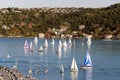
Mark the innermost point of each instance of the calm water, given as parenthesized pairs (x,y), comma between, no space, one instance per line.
(105,57)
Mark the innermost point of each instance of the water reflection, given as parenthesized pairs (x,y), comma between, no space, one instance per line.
(88,74)
(53,49)
(26,51)
(65,49)
(59,55)
(46,50)
(37,71)
(40,53)
(89,48)
(74,75)
(61,76)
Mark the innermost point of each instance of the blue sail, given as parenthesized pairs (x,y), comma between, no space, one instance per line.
(87,61)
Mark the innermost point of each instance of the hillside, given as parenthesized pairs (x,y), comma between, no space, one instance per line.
(29,22)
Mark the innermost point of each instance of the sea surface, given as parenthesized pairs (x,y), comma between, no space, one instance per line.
(105,57)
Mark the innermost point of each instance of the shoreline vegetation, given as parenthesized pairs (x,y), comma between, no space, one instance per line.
(101,23)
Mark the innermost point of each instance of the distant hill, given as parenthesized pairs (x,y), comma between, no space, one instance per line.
(29,22)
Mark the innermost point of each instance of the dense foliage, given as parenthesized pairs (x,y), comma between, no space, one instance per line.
(29,22)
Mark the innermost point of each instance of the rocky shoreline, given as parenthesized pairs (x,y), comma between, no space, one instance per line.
(12,74)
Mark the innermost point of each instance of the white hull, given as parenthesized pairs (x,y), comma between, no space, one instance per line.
(40,49)
(46,71)
(73,70)
(86,67)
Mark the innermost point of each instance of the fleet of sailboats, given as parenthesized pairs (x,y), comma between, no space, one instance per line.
(74,67)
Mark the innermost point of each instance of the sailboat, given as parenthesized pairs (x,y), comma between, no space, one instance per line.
(89,39)
(53,42)
(69,42)
(60,43)
(87,62)
(65,44)
(46,43)
(74,67)
(26,44)
(30,70)
(31,47)
(15,65)
(8,55)
(46,69)
(59,51)
(40,49)
(61,68)
(35,40)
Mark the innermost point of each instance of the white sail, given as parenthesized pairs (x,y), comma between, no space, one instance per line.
(60,43)
(59,49)
(46,69)
(88,61)
(8,55)
(36,40)
(31,46)
(89,40)
(46,43)
(70,42)
(61,68)
(30,70)
(65,44)
(74,65)
(53,42)
(26,44)
(59,52)
(16,64)
(40,49)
